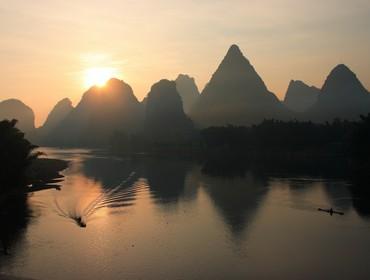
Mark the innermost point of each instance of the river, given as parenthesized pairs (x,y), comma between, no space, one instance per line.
(169,219)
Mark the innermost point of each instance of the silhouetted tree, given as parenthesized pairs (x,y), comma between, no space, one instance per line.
(361,140)
(16,154)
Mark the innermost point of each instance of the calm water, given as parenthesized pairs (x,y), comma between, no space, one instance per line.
(166,219)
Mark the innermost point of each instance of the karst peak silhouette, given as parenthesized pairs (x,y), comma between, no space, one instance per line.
(236,94)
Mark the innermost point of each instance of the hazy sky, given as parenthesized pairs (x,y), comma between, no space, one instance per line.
(46,46)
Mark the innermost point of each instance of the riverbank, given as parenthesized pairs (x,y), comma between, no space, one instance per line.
(46,169)
(45,173)
(42,174)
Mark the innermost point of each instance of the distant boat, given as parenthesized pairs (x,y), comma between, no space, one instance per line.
(79,221)
(330,211)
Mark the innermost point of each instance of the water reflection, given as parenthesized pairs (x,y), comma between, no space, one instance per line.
(170,181)
(109,172)
(361,200)
(237,199)
(236,188)
(166,179)
(14,215)
(339,195)
(172,215)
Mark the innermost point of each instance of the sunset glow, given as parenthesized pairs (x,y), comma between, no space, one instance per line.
(49,45)
(98,76)
(184,139)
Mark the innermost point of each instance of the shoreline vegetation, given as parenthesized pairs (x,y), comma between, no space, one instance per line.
(44,173)
(273,144)
(22,171)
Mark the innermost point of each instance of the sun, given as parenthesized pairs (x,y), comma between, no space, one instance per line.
(98,76)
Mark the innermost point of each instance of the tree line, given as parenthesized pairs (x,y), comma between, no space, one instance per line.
(338,138)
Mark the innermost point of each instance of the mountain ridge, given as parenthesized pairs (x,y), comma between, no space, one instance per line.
(342,96)
(188,91)
(300,97)
(165,118)
(15,109)
(100,112)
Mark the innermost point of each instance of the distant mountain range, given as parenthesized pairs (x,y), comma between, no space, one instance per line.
(235,95)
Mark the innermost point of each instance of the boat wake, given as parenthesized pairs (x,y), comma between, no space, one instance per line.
(115,197)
